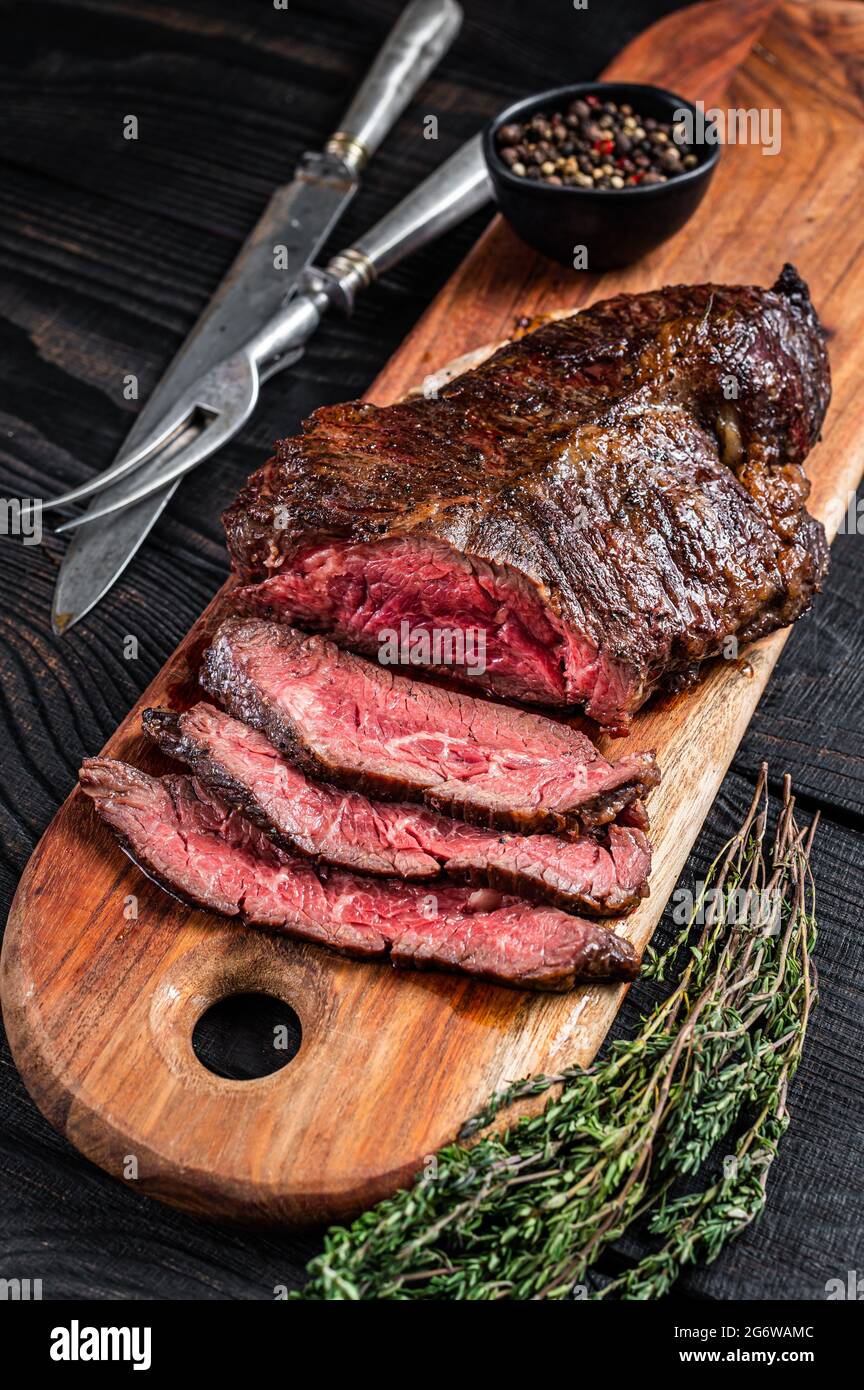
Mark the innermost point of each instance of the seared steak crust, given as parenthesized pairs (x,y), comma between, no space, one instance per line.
(629,477)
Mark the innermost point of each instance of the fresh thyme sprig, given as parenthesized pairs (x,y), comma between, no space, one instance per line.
(526,1213)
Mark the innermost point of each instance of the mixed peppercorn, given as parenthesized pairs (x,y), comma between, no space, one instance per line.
(595,144)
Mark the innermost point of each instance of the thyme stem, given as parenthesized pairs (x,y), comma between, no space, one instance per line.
(639,1136)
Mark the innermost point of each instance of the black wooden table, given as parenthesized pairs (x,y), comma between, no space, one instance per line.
(109,249)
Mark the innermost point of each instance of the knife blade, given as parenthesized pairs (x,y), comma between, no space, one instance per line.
(295,225)
(456,189)
(225,398)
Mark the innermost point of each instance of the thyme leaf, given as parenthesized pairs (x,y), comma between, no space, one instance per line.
(525,1213)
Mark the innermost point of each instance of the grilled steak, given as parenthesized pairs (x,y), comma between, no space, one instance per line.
(395,838)
(207,854)
(607,501)
(351,722)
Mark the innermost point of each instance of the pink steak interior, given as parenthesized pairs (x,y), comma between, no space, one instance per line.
(362,593)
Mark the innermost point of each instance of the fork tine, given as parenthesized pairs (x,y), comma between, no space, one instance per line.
(152,443)
(228,393)
(211,438)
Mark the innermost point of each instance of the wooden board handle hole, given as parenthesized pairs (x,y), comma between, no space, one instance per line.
(243,1037)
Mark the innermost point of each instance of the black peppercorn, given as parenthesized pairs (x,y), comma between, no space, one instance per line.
(594,145)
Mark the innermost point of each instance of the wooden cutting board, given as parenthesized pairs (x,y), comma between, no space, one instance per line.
(100,1009)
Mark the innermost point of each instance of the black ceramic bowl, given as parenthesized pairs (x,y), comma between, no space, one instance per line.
(616,225)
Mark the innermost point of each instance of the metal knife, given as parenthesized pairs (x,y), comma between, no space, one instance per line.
(295,225)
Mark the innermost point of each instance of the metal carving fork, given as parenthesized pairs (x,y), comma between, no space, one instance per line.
(266,309)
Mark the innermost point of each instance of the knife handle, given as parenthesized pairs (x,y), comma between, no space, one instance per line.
(459,187)
(417,41)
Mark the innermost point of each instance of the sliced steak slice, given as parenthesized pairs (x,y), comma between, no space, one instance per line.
(208,854)
(397,839)
(353,723)
(608,499)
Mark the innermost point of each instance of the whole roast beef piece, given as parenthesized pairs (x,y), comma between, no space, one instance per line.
(351,722)
(397,839)
(209,855)
(607,501)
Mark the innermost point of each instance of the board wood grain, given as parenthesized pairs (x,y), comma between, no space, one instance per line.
(99,1006)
